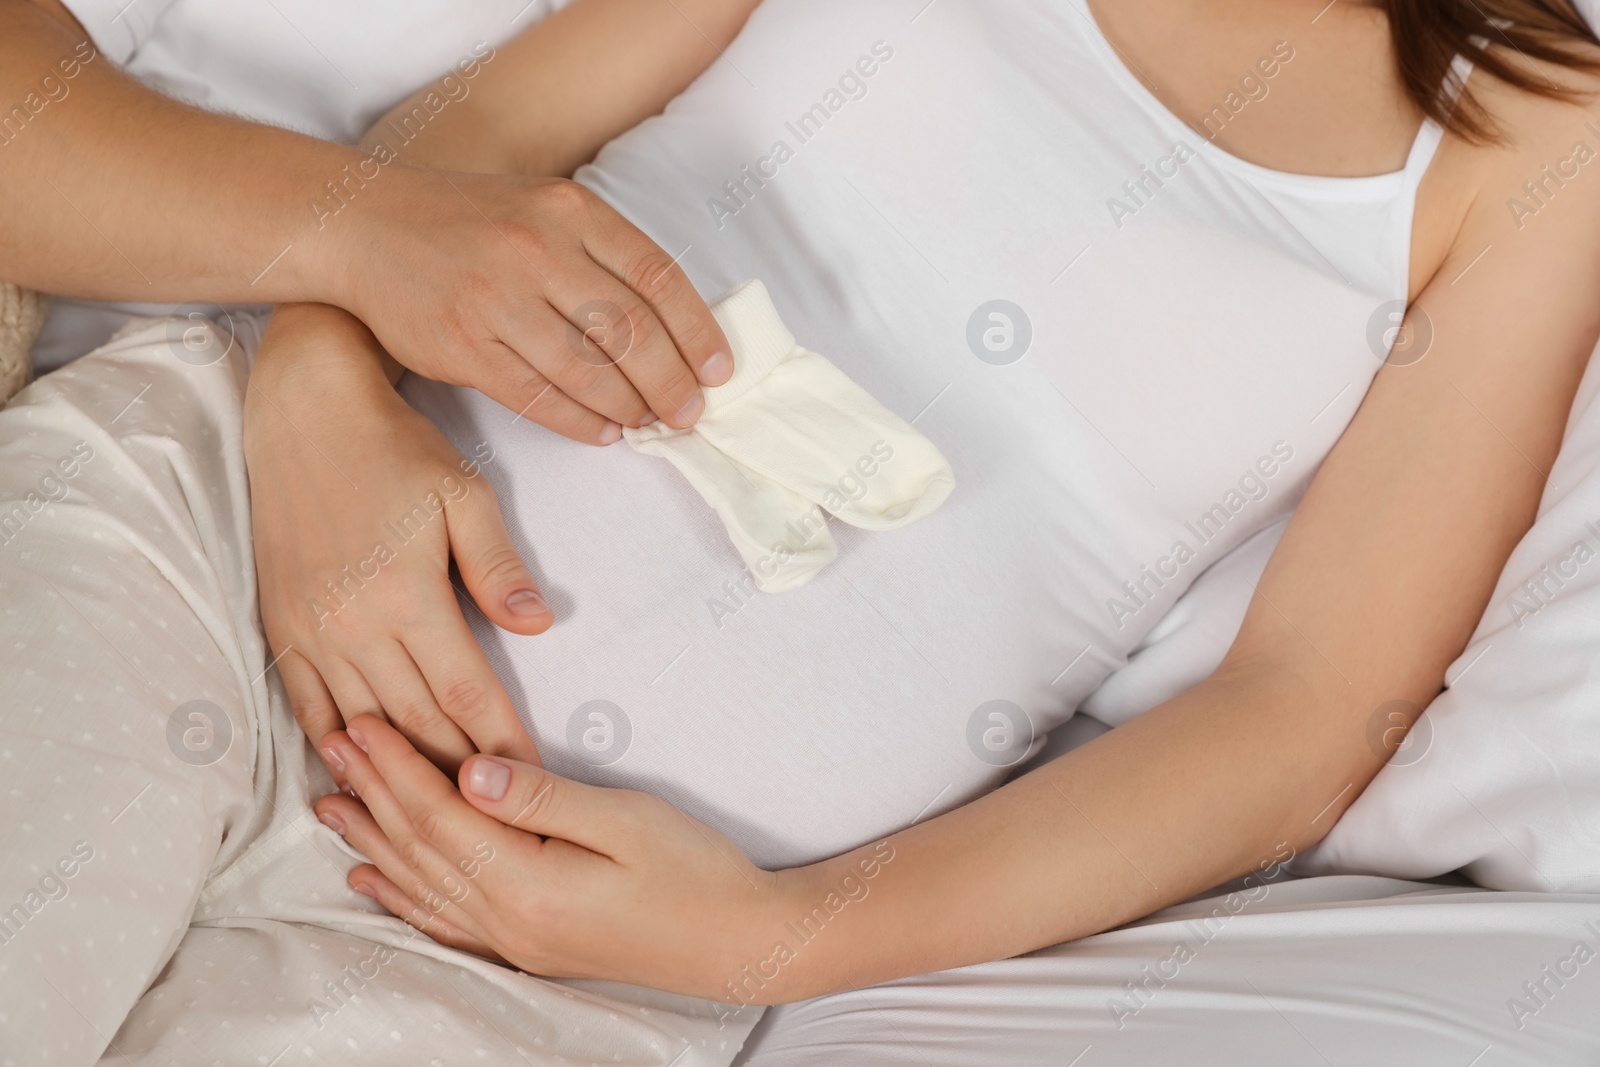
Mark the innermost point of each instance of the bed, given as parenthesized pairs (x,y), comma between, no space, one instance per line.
(247,947)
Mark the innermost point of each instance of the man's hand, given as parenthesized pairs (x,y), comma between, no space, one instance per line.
(539,295)
(528,288)
(358,506)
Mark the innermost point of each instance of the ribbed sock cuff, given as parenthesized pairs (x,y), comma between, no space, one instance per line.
(757,335)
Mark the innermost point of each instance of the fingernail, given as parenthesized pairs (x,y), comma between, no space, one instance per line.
(526,603)
(350,791)
(355,735)
(489,778)
(717,369)
(331,757)
(691,411)
(365,890)
(611,434)
(332,822)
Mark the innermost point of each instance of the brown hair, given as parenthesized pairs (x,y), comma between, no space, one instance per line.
(1429,34)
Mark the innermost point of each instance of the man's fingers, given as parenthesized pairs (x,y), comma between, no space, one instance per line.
(550,340)
(490,564)
(509,380)
(530,798)
(620,328)
(643,266)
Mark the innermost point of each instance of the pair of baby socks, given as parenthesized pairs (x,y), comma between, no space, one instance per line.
(789,437)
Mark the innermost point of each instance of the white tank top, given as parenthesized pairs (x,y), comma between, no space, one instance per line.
(1184,335)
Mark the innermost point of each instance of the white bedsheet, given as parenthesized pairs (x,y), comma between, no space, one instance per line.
(1340,970)
(206,920)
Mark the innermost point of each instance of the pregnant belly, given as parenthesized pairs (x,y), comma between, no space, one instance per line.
(801,723)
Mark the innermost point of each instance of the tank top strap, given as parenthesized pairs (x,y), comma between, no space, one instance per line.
(1431,134)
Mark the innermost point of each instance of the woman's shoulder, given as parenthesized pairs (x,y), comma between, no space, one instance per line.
(1541,162)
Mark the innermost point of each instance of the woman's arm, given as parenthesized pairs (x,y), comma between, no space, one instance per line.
(322,386)
(1384,572)
(557,93)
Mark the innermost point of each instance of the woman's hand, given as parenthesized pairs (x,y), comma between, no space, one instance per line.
(561,878)
(358,506)
(538,294)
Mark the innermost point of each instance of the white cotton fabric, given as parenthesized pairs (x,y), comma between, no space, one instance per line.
(167,896)
(327,70)
(789,437)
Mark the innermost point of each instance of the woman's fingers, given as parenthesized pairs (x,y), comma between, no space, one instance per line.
(349,688)
(434,833)
(531,798)
(370,881)
(313,706)
(439,895)
(460,677)
(491,566)
(409,703)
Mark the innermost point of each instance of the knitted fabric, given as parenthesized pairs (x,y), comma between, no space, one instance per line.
(21,316)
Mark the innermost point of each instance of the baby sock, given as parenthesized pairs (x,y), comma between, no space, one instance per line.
(788,433)
(783,539)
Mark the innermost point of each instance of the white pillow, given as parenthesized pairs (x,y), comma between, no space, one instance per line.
(1500,777)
